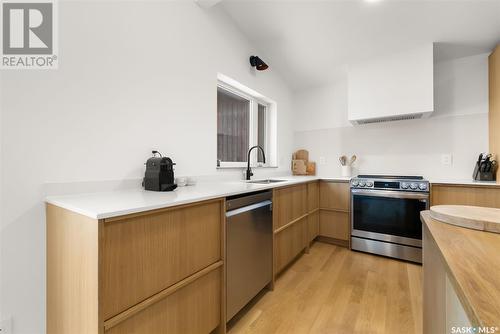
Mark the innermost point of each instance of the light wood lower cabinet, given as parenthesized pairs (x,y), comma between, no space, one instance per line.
(312,196)
(334,224)
(334,195)
(487,196)
(313,225)
(290,203)
(313,210)
(289,243)
(334,216)
(192,309)
(145,254)
(296,222)
(154,272)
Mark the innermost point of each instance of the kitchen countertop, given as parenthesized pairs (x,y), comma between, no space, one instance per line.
(473,265)
(103,205)
(465,182)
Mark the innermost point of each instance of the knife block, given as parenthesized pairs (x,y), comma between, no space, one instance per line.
(484,176)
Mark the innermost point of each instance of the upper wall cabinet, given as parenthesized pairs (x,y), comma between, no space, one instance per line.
(395,87)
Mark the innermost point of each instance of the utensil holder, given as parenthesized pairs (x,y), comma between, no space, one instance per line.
(346,171)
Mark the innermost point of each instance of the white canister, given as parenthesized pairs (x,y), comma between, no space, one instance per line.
(181,181)
(346,171)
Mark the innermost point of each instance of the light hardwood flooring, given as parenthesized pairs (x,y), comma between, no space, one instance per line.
(335,290)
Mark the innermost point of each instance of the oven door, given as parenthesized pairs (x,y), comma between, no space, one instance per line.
(391,216)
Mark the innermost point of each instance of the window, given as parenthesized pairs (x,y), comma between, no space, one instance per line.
(244,119)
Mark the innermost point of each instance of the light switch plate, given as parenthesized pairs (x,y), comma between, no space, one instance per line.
(6,326)
(322,160)
(446,159)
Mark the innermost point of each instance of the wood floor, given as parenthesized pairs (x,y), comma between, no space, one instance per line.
(335,290)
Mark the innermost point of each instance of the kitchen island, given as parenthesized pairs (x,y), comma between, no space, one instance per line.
(461,278)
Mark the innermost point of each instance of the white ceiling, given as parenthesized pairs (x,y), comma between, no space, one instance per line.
(310,42)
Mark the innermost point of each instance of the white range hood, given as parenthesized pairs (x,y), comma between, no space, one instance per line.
(392,88)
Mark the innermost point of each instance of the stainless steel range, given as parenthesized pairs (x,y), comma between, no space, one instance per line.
(385,215)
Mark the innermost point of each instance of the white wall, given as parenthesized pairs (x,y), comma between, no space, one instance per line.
(132,76)
(459,126)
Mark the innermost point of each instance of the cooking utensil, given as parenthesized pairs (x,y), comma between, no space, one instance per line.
(493,166)
(353,159)
(343,160)
(486,163)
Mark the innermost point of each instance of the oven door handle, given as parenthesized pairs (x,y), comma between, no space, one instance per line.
(392,194)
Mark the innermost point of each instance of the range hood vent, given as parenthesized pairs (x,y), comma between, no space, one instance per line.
(390,119)
(394,87)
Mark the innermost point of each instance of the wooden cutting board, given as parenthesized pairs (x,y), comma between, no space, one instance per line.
(474,217)
(302,155)
(299,167)
(311,168)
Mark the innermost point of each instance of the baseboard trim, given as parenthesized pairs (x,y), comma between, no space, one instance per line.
(333,241)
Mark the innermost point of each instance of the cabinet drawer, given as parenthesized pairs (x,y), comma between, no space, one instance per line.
(464,195)
(312,196)
(334,224)
(313,225)
(334,195)
(194,308)
(145,254)
(290,242)
(289,204)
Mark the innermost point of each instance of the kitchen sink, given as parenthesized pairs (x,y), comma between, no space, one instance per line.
(268,181)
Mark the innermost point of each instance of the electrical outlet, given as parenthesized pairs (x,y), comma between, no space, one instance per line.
(322,160)
(6,326)
(446,159)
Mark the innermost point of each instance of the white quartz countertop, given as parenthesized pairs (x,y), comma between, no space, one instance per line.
(103,205)
(465,182)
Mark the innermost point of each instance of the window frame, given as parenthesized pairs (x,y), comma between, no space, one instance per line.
(270,146)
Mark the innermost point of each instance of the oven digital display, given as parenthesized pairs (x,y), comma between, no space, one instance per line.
(386,184)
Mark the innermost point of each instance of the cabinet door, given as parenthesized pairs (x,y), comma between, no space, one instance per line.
(290,204)
(290,242)
(334,195)
(465,195)
(192,309)
(313,225)
(312,196)
(145,254)
(334,224)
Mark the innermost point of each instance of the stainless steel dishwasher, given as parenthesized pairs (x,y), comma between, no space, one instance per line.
(249,235)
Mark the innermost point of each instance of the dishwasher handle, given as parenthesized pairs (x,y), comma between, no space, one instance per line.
(249,208)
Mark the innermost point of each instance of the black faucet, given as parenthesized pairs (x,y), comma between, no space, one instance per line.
(249,171)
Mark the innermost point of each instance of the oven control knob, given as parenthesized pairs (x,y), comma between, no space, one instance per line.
(404,185)
(361,183)
(414,186)
(354,183)
(422,186)
(369,184)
